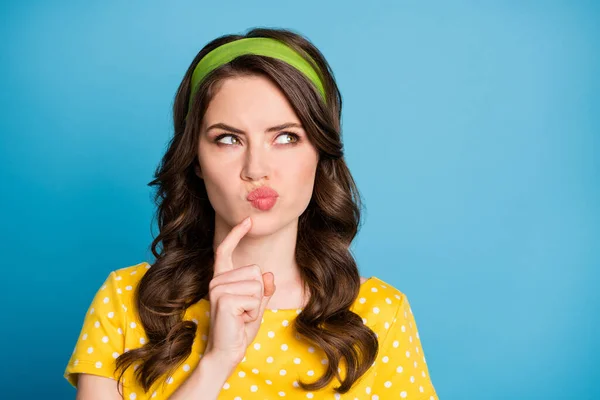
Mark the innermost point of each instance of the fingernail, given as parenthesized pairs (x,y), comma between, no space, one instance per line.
(246,221)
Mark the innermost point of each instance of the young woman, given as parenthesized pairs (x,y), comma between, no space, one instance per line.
(254,293)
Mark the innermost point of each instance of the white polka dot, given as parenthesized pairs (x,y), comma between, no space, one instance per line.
(97,324)
(284,347)
(142,340)
(412,379)
(186,367)
(337,396)
(257,346)
(295,384)
(396,343)
(376,310)
(282,372)
(410,339)
(421,389)
(271,334)
(105,339)
(403,394)
(124,308)
(415,364)
(115,355)
(399,369)
(90,350)
(309,395)
(324,361)
(311,349)
(120,331)
(226,385)
(285,322)
(310,372)
(417,335)
(132,325)
(133,273)
(364,321)
(194,320)
(103,287)
(98,364)
(386,325)
(281,394)
(373,290)
(111,314)
(253,388)
(368,389)
(403,328)
(387,384)
(387,300)
(362,300)
(241,374)
(268,382)
(132,396)
(154,394)
(397,296)
(297,360)
(118,278)
(84,336)
(423,374)
(170,380)
(91,310)
(407,353)
(75,362)
(106,300)
(128,287)
(269,359)
(237,398)
(385,359)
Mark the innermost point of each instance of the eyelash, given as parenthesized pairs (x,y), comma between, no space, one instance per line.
(297,138)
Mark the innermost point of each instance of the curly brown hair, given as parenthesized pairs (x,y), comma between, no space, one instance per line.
(183,268)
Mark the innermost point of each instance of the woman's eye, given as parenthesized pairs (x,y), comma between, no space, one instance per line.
(286,136)
(233,138)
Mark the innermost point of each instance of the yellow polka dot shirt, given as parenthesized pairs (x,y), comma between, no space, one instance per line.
(275,361)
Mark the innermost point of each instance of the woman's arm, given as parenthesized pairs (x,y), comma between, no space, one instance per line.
(205,382)
(95,387)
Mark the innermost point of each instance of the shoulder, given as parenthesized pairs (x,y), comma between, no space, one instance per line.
(379,302)
(125,279)
(130,275)
(119,286)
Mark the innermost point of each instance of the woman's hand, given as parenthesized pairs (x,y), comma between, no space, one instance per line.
(238,298)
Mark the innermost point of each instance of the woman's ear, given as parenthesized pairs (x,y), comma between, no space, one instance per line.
(198,171)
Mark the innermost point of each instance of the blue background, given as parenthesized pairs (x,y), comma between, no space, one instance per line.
(472,130)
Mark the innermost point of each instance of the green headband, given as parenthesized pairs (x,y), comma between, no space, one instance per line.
(259,46)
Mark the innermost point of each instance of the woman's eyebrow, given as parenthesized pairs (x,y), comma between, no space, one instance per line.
(226,127)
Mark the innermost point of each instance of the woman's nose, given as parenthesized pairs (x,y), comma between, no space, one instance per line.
(256,165)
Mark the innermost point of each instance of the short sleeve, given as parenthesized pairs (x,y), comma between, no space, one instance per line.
(101,338)
(401,366)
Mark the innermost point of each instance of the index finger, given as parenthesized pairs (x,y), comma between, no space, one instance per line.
(224,252)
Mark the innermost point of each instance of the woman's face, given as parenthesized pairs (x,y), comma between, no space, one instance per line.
(246,154)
